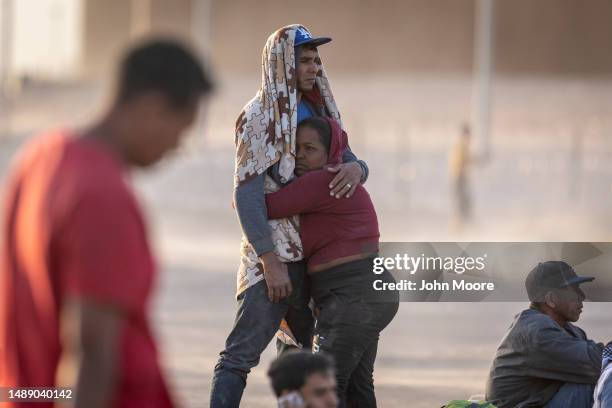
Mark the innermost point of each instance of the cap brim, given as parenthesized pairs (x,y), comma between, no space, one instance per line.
(580,279)
(315,41)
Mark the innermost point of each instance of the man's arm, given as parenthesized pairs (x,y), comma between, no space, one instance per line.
(349,174)
(250,203)
(349,157)
(105,262)
(558,356)
(91,335)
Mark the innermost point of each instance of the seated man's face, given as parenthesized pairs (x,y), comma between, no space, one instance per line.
(319,391)
(310,153)
(569,304)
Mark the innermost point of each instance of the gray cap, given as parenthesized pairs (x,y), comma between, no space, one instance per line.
(551,275)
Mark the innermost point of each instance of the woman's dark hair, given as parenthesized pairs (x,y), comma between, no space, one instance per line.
(321,126)
(165,66)
(291,370)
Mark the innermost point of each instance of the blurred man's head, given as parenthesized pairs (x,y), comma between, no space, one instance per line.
(553,288)
(310,375)
(159,87)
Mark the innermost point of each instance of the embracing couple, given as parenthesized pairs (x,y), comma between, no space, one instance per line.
(310,230)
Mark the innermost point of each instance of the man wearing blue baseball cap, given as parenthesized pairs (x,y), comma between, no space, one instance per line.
(544,360)
(272,287)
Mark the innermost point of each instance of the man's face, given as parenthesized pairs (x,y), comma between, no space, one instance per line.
(569,302)
(308,66)
(158,128)
(310,153)
(319,391)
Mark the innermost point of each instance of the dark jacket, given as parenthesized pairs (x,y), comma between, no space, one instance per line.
(536,357)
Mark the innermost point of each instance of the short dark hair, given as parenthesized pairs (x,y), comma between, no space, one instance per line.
(165,66)
(307,47)
(291,370)
(321,126)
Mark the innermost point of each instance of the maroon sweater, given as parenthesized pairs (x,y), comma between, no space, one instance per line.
(330,228)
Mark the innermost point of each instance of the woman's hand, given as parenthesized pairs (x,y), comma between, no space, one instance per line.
(346,181)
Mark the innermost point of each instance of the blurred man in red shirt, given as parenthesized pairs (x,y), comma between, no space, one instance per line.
(76,267)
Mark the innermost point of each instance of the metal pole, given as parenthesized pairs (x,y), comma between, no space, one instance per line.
(201,24)
(575,166)
(140,18)
(482,77)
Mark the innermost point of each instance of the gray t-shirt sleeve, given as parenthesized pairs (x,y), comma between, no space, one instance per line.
(349,157)
(250,205)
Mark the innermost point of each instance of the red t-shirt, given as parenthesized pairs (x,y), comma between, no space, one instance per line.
(73,229)
(330,228)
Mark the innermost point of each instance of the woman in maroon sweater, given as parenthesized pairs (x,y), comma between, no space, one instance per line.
(340,239)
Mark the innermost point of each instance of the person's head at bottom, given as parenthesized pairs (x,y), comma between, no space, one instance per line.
(304,380)
(159,88)
(553,289)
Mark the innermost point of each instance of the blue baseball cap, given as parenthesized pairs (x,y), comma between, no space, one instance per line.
(303,37)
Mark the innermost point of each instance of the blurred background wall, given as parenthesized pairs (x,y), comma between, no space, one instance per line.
(556,37)
(545,37)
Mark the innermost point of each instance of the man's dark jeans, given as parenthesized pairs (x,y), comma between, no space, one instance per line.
(257,321)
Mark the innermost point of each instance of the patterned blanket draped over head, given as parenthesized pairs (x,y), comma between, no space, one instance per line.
(265,136)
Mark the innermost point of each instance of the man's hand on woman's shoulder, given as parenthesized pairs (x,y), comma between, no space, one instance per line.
(347,179)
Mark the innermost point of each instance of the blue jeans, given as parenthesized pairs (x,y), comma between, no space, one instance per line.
(604,399)
(572,395)
(257,321)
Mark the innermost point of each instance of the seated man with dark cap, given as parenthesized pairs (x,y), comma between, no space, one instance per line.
(544,360)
